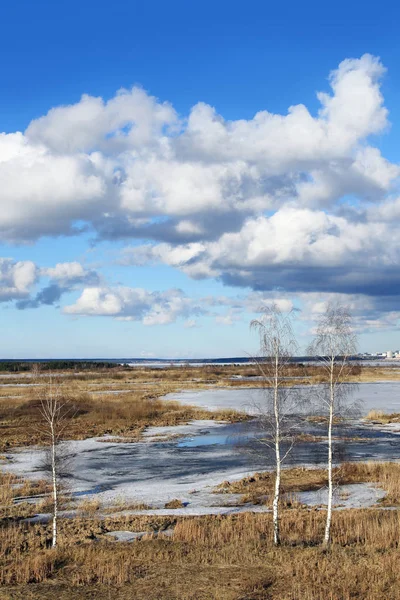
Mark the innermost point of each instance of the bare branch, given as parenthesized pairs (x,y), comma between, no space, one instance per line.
(55,413)
(281,401)
(334,343)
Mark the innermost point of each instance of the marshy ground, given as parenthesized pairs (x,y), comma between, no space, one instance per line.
(200,557)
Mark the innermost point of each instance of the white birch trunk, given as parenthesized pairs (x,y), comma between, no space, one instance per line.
(275,505)
(54,479)
(327,536)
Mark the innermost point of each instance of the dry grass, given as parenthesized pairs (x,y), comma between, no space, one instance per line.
(175,503)
(124,415)
(258,488)
(208,558)
(89,507)
(308,437)
(322,420)
(122,506)
(383,418)
(128,413)
(211,557)
(379,373)
(15,494)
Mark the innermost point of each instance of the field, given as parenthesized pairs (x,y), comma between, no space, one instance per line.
(222,557)
(120,402)
(123,402)
(228,557)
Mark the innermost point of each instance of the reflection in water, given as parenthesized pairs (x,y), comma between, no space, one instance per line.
(156,472)
(353,442)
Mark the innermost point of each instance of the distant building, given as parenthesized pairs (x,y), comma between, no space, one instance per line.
(389,354)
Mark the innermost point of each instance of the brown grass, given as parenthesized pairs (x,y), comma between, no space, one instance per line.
(123,505)
(258,488)
(128,413)
(89,507)
(15,493)
(95,415)
(208,558)
(383,418)
(175,503)
(212,557)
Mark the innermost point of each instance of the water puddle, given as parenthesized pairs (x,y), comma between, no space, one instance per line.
(383,395)
(235,434)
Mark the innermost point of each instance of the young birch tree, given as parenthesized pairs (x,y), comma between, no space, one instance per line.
(277,346)
(333,345)
(55,413)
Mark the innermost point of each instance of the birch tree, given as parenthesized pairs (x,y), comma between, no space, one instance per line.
(334,343)
(55,413)
(277,346)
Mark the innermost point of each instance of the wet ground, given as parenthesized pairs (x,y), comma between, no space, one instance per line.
(155,472)
(163,467)
(354,441)
(382,395)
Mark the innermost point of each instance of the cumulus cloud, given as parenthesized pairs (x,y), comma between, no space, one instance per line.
(289,203)
(131,119)
(71,273)
(64,277)
(164,307)
(132,167)
(16,278)
(370,314)
(294,249)
(135,304)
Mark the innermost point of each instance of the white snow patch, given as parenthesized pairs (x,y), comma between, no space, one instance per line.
(127,536)
(380,395)
(389,427)
(144,472)
(197,427)
(356,495)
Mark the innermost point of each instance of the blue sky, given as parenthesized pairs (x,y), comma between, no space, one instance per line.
(210,215)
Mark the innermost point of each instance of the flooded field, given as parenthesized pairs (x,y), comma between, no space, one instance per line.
(381,395)
(187,461)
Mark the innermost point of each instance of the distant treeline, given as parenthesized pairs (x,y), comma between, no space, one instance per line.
(20,366)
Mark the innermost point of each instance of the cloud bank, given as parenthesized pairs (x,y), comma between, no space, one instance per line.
(294,203)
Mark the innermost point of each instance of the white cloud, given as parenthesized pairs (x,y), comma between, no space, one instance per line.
(70,274)
(135,304)
(164,307)
(190,323)
(295,249)
(16,278)
(370,314)
(130,166)
(65,271)
(355,113)
(281,203)
(131,119)
(227,319)
(64,277)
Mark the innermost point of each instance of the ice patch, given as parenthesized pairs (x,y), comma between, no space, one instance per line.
(197,427)
(127,536)
(381,395)
(148,472)
(356,495)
